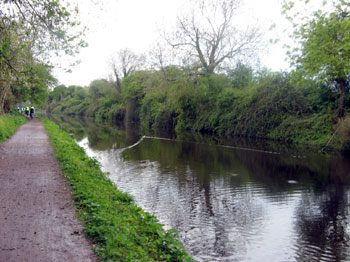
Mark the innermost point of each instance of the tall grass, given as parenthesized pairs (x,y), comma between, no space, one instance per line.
(9,124)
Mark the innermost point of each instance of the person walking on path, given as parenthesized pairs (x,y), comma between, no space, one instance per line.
(37,216)
(26,111)
(32,112)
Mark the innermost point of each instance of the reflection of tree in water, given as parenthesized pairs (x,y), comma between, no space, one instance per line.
(323,219)
(101,135)
(322,222)
(212,218)
(74,126)
(215,219)
(132,133)
(220,221)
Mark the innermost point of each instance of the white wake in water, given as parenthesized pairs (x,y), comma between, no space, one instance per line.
(169,139)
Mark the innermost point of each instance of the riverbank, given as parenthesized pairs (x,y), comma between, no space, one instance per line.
(119,229)
(38,220)
(269,106)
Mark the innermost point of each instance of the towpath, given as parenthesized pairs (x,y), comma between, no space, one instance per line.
(37,215)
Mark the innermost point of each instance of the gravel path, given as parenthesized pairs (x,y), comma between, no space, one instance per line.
(37,217)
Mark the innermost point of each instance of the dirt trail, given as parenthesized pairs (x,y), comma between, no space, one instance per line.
(37,217)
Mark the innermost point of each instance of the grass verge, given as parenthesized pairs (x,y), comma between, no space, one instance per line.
(119,229)
(9,124)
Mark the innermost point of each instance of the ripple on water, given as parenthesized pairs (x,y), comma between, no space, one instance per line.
(306,251)
(226,217)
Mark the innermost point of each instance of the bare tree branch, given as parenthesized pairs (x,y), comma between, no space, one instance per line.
(125,63)
(210,35)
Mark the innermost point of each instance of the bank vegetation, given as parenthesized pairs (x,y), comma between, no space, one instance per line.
(246,103)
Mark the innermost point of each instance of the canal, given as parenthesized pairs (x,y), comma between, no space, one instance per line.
(230,200)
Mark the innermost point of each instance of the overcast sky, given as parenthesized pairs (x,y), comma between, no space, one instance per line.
(135,24)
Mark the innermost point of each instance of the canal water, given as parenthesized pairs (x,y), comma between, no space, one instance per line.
(232,200)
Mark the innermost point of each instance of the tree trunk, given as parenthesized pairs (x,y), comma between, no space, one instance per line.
(118,81)
(119,84)
(342,89)
(3,92)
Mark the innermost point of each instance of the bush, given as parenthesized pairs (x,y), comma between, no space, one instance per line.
(312,129)
(341,138)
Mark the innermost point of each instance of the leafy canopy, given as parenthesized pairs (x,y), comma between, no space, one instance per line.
(31,31)
(324,45)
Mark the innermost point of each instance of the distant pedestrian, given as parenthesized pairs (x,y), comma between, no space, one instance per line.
(31,112)
(26,111)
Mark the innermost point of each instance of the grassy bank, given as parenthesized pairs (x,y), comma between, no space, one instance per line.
(9,125)
(120,230)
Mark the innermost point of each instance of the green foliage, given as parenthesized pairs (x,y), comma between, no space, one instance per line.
(256,110)
(155,112)
(320,97)
(259,104)
(341,138)
(119,229)
(134,86)
(100,99)
(9,125)
(188,111)
(311,129)
(241,76)
(324,51)
(31,32)
(57,94)
(35,88)
(325,45)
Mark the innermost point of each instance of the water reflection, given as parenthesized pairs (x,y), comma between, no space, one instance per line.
(323,225)
(230,204)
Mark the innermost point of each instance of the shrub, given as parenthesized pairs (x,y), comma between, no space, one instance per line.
(342,135)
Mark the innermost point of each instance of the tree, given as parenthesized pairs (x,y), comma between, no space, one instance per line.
(125,63)
(30,30)
(58,93)
(241,76)
(324,51)
(38,79)
(207,37)
(101,88)
(44,26)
